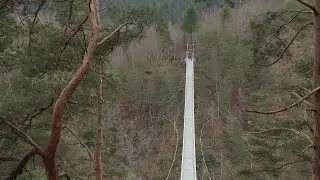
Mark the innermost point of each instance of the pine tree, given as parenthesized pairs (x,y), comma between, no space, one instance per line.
(161,26)
(190,22)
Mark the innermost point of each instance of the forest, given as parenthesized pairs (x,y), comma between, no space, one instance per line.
(95,89)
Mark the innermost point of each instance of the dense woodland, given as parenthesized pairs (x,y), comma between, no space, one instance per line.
(94,89)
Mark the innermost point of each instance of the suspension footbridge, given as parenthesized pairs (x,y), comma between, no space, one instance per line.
(188,166)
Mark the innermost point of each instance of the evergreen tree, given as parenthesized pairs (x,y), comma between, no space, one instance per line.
(190,22)
(162,27)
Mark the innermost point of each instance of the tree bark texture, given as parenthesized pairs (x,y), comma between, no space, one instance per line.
(66,94)
(316,83)
(99,165)
(49,154)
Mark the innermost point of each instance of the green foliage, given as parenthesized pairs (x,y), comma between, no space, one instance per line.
(267,41)
(270,34)
(226,9)
(158,91)
(33,174)
(239,152)
(33,73)
(225,12)
(265,37)
(173,10)
(65,11)
(209,2)
(190,22)
(162,27)
(116,171)
(143,14)
(304,67)
(7,31)
(274,149)
(227,59)
(164,91)
(231,3)
(89,135)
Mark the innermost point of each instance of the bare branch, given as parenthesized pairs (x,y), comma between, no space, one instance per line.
(81,142)
(281,27)
(309,127)
(33,22)
(289,107)
(299,133)
(71,36)
(38,112)
(64,174)
(309,104)
(311,6)
(112,33)
(290,163)
(303,156)
(3,159)
(103,9)
(41,110)
(24,161)
(4,4)
(85,178)
(289,44)
(293,18)
(301,11)
(27,138)
(69,16)
(281,166)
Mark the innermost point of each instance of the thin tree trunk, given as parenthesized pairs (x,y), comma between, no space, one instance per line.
(50,166)
(221,166)
(316,83)
(98,168)
(66,94)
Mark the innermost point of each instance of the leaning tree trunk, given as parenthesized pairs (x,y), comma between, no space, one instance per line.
(66,94)
(316,83)
(98,168)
